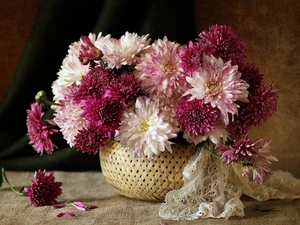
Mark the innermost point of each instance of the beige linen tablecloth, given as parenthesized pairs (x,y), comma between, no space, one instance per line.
(91,189)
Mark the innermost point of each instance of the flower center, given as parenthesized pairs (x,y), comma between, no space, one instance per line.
(144,125)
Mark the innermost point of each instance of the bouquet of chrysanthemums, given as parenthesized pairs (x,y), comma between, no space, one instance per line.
(147,94)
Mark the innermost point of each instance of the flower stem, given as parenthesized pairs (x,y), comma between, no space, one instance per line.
(10,186)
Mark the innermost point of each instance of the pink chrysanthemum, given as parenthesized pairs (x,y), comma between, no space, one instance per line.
(44,190)
(262,162)
(125,88)
(38,133)
(222,42)
(92,139)
(68,118)
(190,58)
(144,130)
(241,151)
(105,112)
(88,51)
(95,82)
(159,69)
(251,75)
(219,84)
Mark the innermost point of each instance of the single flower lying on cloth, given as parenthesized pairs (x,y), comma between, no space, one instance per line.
(44,191)
(148,96)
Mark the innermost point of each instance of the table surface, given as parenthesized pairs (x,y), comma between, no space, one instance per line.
(91,188)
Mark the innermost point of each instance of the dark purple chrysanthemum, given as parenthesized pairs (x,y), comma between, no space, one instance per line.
(92,139)
(222,42)
(263,103)
(44,190)
(261,106)
(196,117)
(95,82)
(190,58)
(88,51)
(125,88)
(251,75)
(102,112)
(38,133)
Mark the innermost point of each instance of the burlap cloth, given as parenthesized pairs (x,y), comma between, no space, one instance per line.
(91,189)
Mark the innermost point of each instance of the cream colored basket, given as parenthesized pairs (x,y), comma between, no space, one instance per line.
(140,178)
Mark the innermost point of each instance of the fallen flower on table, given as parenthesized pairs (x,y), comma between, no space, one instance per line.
(43,191)
(65,213)
(82,207)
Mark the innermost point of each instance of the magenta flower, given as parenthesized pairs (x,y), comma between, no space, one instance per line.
(90,140)
(241,151)
(88,50)
(44,190)
(251,75)
(102,112)
(196,117)
(222,42)
(200,121)
(38,133)
(125,88)
(190,58)
(96,81)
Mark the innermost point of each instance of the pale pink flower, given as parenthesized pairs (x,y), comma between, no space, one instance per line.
(72,71)
(69,120)
(159,69)
(144,130)
(44,190)
(123,51)
(262,161)
(38,133)
(83,207)
(219,84)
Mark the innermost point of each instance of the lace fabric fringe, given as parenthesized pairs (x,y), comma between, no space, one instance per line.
(213,189)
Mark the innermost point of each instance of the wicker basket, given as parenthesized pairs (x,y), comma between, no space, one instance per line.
(140,178)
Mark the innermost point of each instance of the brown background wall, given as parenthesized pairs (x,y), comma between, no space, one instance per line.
(270,29)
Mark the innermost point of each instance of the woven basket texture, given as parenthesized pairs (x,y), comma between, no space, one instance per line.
(139,178)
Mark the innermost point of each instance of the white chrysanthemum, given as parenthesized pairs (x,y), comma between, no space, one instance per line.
(144,131)
(69,120)
(123,51)
(75,48)
(72,71)
(219,84)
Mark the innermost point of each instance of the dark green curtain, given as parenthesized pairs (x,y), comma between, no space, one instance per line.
(59,23)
